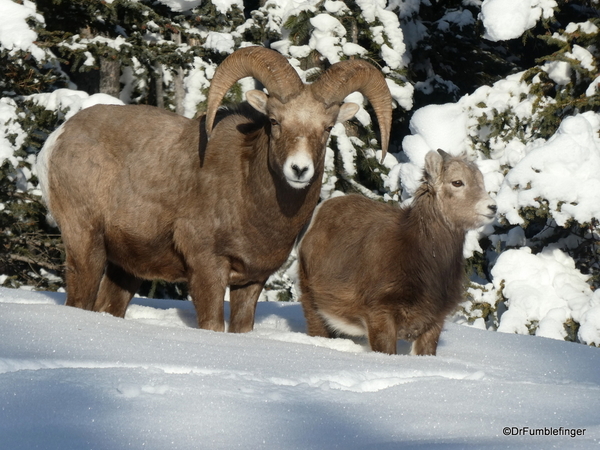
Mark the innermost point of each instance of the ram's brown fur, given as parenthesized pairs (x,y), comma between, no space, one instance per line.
(142,193)
(387,272)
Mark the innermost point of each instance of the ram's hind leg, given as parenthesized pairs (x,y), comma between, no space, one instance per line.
(116,290)
(242,303)
(85,262)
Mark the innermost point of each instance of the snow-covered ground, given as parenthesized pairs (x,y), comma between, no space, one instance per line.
(72,379)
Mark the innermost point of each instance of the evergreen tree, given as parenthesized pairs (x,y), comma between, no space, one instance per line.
(562,83)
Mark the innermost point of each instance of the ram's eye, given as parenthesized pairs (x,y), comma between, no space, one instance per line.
(457,183)
(328,129)
(274,122)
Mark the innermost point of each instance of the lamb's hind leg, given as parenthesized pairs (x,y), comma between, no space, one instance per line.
(426,343)
(315,324)
(85,262)
(116,290)
(382,332)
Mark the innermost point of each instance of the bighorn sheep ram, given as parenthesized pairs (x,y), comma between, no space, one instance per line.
(142,193)
(368,268)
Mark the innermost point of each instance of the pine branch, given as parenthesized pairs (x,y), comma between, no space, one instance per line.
(34,261)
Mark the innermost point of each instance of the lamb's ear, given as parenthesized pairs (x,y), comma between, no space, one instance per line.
(445,156)
(434,162)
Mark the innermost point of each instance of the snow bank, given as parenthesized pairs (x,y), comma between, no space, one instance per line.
(220,42)
(436,126)
(76,379)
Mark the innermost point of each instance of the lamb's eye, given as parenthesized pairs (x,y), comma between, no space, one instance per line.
(457,183)
(274,122)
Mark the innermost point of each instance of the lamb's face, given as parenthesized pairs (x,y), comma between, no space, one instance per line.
(466,203)
(459,190)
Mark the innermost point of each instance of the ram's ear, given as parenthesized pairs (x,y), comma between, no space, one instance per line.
(347,111)
(434,163)
(258,100)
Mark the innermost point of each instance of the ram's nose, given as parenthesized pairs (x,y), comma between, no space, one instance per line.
(299,170)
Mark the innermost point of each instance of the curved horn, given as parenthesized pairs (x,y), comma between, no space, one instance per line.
(269,67)
(345,77)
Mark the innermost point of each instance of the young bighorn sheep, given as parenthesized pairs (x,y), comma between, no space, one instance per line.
(142,193)
(368,268)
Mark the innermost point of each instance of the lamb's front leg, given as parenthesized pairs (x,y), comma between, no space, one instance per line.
(426,343)
(242,304)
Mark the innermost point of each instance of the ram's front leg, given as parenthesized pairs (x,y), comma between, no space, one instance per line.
(116,290)
(207,284)
(242,303)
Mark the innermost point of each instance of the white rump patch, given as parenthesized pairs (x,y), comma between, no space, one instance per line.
(340,325)
(42,163)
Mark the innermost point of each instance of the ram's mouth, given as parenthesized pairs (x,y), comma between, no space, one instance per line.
(297,184)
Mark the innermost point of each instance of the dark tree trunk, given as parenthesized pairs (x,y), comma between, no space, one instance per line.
(110,74)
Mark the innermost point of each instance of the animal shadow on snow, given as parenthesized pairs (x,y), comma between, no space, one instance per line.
(292,319)
(286,316)
(283,315)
